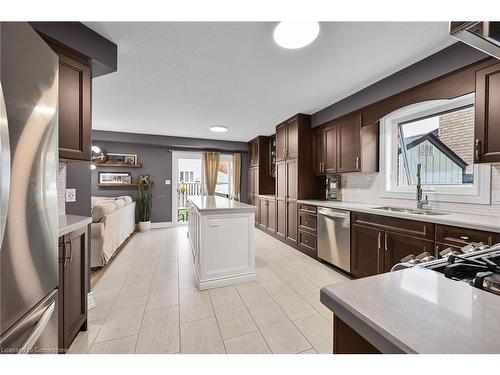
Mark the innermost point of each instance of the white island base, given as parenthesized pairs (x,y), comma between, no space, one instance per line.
(221,232)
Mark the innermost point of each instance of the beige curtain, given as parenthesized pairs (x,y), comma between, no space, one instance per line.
(236,176)
(211,162)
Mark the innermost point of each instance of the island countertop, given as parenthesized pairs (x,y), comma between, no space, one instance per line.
(69,223)
(418,311)
(216,203)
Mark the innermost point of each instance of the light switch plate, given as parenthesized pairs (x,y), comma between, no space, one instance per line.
(167,182)
(70,195)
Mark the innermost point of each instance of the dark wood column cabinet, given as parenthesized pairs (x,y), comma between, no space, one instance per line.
(75,116)
(487,118)
(295,178)
(73,273)
(330,150)
(260,180)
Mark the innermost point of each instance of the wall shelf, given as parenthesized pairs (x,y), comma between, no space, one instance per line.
(119,185)
(118,165)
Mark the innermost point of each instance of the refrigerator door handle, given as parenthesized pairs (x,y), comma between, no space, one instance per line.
(4,165)
(38,329)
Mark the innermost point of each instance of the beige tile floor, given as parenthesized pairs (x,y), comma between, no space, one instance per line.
(147,302)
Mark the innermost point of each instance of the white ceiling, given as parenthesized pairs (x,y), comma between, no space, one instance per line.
(180,78)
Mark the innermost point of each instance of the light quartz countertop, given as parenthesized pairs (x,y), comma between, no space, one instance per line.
(418,311)
(69,223)
(480,222)
(215,203)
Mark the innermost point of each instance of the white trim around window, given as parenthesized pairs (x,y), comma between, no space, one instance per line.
(476,193)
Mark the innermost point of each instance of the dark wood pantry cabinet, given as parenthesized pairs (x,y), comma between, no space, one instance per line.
(74,103)
(73,274)
(260,180)
(294,176)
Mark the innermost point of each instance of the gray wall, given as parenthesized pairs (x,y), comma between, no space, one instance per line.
(154,152)
(443,62)
(78,176)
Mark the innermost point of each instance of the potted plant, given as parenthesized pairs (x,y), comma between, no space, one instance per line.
(145,202)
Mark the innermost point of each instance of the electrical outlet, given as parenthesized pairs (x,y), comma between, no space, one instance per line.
(167,182)
(70,195)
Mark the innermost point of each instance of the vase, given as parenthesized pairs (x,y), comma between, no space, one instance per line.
(144,226)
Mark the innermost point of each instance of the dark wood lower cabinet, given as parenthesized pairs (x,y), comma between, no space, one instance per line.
(347,341)
(398,246)
(73,274)
(366,251)
(291,220)
(281,218)
(271,218)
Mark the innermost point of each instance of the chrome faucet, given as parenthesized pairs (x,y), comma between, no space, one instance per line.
(420,202)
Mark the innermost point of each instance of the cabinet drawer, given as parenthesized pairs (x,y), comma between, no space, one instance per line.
(412,228)
(307,240)
(457,236)
(307,222)
(307,208)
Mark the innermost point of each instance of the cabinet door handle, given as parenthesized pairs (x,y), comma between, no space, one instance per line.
(478,149)
(71,250)
(357,163)
(379,240)
(385,241)
(465,238)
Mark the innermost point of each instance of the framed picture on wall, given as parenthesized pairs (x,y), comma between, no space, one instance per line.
(115,158)
(115,178)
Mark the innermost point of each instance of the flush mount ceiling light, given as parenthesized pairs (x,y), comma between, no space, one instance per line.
(295,34)
(218,129)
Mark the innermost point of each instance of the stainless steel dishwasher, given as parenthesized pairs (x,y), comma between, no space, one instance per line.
(334,237)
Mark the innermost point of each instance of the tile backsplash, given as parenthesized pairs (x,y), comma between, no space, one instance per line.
(364,188)
(61,189)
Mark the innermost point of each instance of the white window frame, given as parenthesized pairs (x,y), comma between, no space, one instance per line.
(476,193)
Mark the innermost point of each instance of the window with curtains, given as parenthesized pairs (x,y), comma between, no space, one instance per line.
(224,176)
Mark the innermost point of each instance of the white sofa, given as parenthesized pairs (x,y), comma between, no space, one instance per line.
(113,221)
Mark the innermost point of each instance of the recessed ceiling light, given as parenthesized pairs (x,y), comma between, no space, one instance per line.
(218,129)
(295,34)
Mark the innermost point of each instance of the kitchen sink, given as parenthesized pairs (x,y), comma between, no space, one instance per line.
(412,211)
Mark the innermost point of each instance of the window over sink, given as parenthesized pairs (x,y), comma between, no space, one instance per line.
(439,135)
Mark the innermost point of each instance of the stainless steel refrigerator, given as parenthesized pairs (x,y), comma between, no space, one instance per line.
(28,191)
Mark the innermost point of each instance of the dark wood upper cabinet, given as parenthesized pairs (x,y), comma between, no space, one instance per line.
(281,142)
(74,104)
(318,157)
(330,150)
(73,274)
(344,146)
(349,145)
(292,138)
(487,118)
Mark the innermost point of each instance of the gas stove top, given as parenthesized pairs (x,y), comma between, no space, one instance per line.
(481,269)
(476,264)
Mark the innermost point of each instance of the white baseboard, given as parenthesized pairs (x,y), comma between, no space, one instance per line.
(160,224)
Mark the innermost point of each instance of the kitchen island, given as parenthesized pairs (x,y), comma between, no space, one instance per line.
(415,310)
(221,232)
